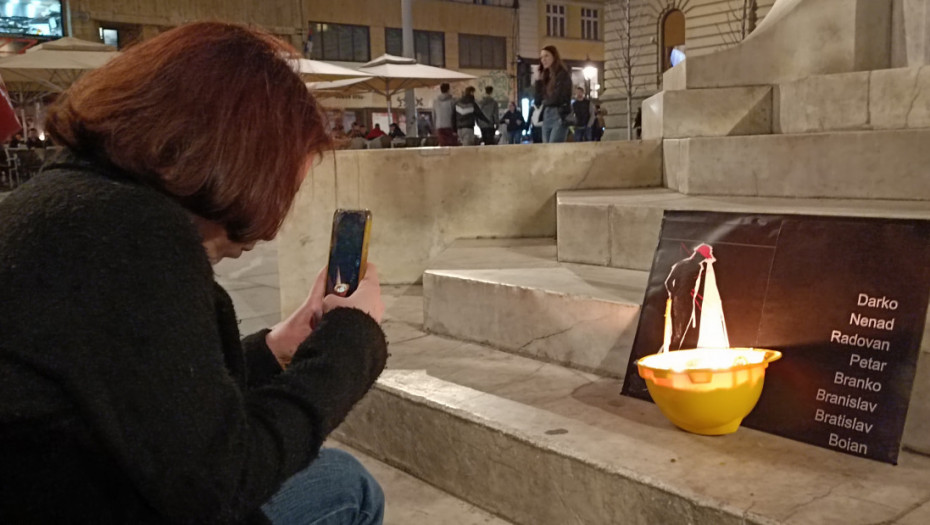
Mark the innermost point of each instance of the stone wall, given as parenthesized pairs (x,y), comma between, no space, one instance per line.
(425,198)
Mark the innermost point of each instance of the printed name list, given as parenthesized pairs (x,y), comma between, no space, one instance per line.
(847,406)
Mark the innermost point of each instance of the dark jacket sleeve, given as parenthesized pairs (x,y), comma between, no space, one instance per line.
(261,366)
(561,94)
(130,331)
(539,92)
(480,117)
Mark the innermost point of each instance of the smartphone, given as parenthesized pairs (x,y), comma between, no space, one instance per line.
(348,251)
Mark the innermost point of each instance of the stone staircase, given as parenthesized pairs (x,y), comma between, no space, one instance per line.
(503,384)
(503,388)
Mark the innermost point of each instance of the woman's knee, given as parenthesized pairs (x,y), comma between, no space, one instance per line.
(335,488)
(353,478)
(352,470)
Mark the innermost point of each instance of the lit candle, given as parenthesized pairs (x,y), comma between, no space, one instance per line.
(707,390)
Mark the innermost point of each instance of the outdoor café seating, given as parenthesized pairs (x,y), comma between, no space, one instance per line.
(17,165)
(10,173)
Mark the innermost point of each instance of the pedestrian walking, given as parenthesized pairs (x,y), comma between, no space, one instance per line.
(554,89)
(535,122)
(444,116)
(584,116)
(491,109)
(598,131)
(467,115)
(514,124)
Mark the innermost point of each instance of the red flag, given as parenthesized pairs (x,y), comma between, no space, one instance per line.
(9,124)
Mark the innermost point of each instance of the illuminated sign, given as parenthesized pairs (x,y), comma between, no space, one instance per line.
(41,18)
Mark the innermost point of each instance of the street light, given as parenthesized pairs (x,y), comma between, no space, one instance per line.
(590,73)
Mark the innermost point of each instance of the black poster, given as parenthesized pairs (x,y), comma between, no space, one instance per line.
(844,299)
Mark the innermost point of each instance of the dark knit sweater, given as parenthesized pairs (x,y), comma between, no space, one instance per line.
(125,394)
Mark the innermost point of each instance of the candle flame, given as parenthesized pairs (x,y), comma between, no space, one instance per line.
(706,359)
(340,288)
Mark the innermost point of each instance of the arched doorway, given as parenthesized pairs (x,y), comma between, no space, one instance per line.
(672,31)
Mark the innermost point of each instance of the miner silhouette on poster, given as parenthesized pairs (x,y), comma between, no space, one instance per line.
(692,295)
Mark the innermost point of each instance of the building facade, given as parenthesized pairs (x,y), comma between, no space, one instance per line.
(616,53)
(641,35)
(475,37)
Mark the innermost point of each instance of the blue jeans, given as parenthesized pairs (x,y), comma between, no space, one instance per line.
(582,134)
(553,127)
(516,136)
(334,490)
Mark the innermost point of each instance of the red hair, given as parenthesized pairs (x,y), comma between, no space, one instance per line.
(210,113)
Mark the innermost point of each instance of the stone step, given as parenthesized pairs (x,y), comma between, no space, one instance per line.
(410,500)
(541,444)
(838,164)
(882,99)
(708,112)
(621,228)
(885,99)
(513,294)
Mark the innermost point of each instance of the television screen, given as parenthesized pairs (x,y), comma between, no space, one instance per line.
(41,18)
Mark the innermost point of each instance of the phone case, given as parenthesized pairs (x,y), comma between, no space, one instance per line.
(348,251)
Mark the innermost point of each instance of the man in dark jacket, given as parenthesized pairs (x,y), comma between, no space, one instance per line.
(584,116)
(424,128)
(514,124)
(491,109)
(467,114)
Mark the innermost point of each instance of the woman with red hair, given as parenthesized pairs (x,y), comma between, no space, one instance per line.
(127,395)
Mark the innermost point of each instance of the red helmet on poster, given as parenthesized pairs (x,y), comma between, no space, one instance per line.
(705,250)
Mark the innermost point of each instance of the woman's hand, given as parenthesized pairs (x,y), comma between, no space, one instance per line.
(367,297)
(286,336)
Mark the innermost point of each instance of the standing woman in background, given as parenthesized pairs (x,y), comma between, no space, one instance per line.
(554,89)
(126,394)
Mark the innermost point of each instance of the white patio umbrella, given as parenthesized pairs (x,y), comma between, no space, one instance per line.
(317,71)
(53,66)
(391,74)
(348,86)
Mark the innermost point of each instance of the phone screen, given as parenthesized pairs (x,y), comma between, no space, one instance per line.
(348,251)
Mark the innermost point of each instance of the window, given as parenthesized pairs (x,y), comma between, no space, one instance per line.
(340,42)
(429,46)
(109,37)
(482,52)
(589,29)
(119,35)
(673,35)
(555,20)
